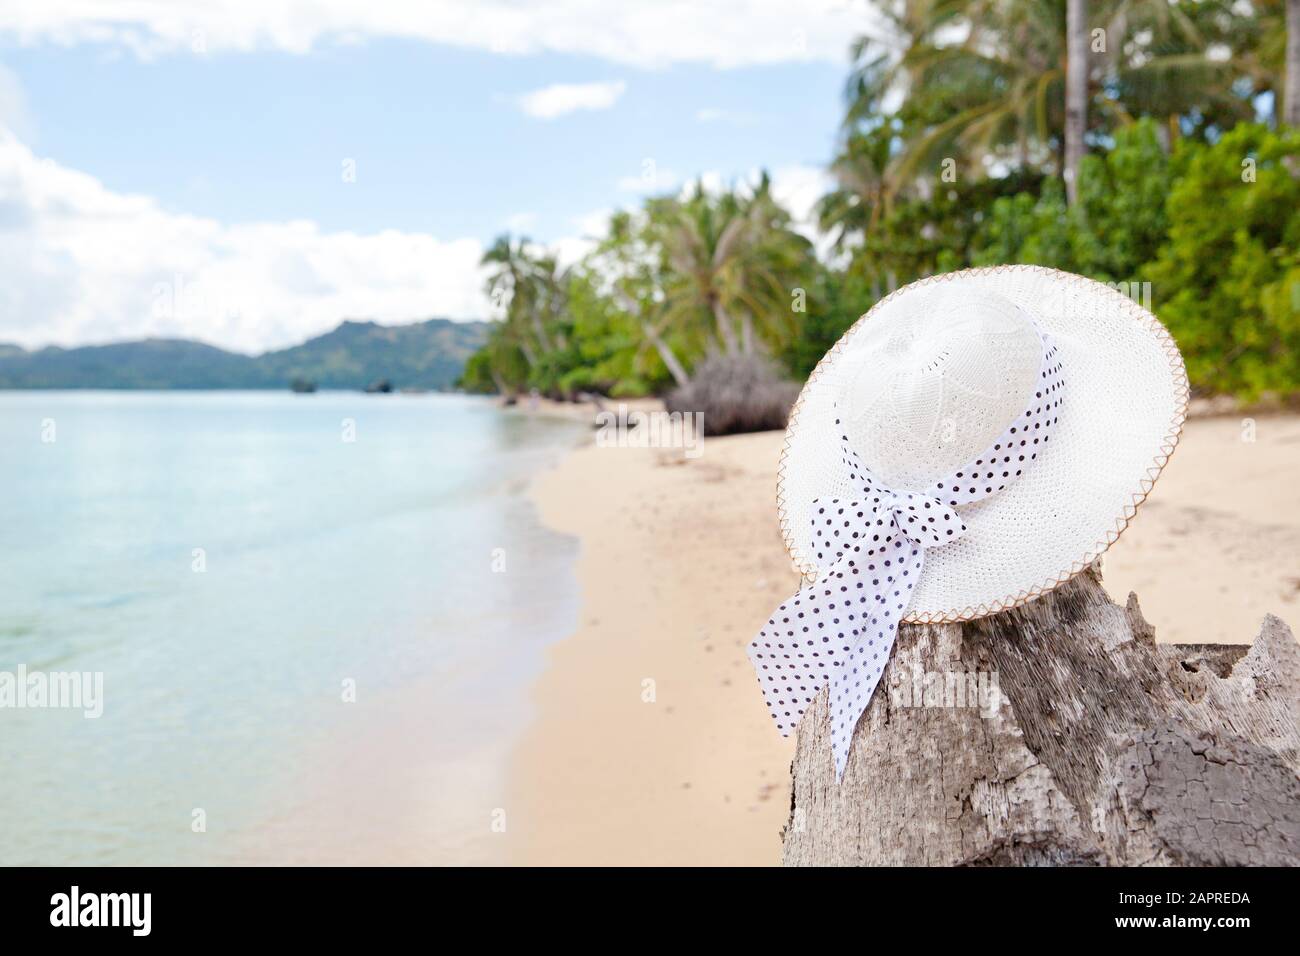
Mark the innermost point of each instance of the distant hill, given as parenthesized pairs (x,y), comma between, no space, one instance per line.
(427,354)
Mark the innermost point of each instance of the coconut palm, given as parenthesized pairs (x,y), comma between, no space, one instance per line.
(1268,49)
(504,362)
(857,202)
(1076,92)
(547,298)
(990,83)
(1292,97)
(630,267)
(731,260)
(528,286)
(1179,63)
(973,80)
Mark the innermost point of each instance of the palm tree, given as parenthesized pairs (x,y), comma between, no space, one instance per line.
(856,203)
(547,297)
(1291,99)
(521,281)
(1011,82)
(1076,92)
(974,81)
(732,260)
(697,238)
(630,268)
(1158,63)
(505,359)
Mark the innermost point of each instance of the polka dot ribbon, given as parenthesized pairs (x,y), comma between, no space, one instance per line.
(869,552)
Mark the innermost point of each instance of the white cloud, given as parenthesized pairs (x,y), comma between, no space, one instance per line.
(722,33)
(80,263)
(558,99)
(592,229)
(595,224)
(798,188)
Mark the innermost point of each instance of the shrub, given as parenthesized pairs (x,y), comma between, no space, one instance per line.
(1121,216)
(835,301)
(1226,279)
(1116,227)
(1028,229)
(736,393)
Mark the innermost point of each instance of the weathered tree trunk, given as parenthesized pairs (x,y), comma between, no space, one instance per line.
(529,355)
(747,336)
(726,331)
(1076,92)
(1095,745)
(543,339)
(1291,98)
(666,354)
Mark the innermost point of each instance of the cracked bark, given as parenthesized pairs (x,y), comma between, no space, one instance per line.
(1098,747)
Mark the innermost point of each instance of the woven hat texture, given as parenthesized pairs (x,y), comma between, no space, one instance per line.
(934,373)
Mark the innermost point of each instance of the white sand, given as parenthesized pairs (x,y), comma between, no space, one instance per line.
(681,562)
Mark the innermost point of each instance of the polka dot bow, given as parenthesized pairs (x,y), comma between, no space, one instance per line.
(870,550)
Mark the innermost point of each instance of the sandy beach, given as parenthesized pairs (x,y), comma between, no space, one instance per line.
(651,744)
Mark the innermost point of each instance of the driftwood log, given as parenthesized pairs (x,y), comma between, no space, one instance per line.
(1060,733)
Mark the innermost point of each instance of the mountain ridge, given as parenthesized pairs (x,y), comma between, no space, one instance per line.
(356,353)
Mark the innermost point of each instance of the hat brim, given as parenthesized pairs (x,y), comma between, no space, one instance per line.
(1126,400)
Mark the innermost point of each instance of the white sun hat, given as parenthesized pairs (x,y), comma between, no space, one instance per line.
(973,441)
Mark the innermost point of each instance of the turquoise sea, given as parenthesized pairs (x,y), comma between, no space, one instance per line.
(316,618)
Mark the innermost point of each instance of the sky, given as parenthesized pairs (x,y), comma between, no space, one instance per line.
(251,173)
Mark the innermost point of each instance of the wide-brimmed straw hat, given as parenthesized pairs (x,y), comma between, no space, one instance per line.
(924,382)
(972,442)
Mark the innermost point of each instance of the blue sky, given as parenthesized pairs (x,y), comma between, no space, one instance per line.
(249,180)
(438,136)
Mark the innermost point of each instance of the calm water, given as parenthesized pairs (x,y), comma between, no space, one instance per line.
(233,564)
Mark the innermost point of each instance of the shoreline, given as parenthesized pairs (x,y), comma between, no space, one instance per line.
(650,745)
(680,561)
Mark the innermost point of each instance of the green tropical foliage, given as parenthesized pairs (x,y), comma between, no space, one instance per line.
(1116,227)
(953,155)
(1229,274)
(731,263)
(708,272)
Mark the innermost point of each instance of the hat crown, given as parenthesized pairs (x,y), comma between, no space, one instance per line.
(929,389)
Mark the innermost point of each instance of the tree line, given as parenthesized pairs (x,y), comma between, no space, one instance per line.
(1148,143)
